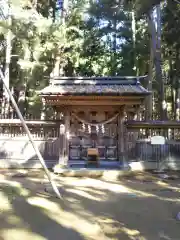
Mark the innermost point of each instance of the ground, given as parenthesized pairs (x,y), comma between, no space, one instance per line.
(130,208)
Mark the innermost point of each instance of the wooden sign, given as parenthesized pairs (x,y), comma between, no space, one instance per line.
(158,140)
(93,156)
(93,151)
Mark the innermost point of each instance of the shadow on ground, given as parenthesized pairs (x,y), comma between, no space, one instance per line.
(129,209)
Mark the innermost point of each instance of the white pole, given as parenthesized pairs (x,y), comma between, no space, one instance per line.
(30,136)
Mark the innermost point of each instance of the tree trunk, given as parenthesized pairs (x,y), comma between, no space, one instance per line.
(53,5)
(149,99)
(177,86)
(173,86)
(156,48)
(6,103)
(163,106)
(58,68)
(114,48)
(134,41)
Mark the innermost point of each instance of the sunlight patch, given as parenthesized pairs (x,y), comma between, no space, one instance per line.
(4,204)
(111,226)
(11,183)
(17,234)
(14,220)
(85,194)
(43,203)
(100,185)
(86,227)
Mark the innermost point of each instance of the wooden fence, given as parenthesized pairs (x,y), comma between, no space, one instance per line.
(16,149)
(141,149)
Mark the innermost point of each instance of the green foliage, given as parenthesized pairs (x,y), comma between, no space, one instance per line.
(98,44)
(96,40)
(37,41)
(141,6)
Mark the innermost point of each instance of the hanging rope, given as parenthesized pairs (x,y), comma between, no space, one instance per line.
(96,124)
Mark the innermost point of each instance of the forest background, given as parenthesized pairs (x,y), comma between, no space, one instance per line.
(41,38)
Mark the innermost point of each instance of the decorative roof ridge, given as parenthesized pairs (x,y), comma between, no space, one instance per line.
(96,80)
(99,77)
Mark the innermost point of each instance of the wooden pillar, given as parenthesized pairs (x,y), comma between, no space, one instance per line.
(120,136)
(67,133)
(64,139)
(122,143)
(125,145)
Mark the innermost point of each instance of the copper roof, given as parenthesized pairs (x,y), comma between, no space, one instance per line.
(95,86)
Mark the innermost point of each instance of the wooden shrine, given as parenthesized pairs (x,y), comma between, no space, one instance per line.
(94,110)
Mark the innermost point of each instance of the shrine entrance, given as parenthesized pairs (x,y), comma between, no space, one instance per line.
(94,111)
(79,145)
(94,130)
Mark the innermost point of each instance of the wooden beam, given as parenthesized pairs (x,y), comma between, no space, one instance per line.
(97,108)
(93,103)
(92,98)
(152,124)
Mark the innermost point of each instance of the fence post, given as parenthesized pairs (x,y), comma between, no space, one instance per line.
(122,149)
(64,139)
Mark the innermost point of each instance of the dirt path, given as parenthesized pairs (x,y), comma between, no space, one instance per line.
(92,209)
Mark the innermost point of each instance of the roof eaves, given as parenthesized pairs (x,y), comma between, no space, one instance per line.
(96,94)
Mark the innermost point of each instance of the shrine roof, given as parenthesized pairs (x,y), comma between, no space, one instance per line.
(82,86)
